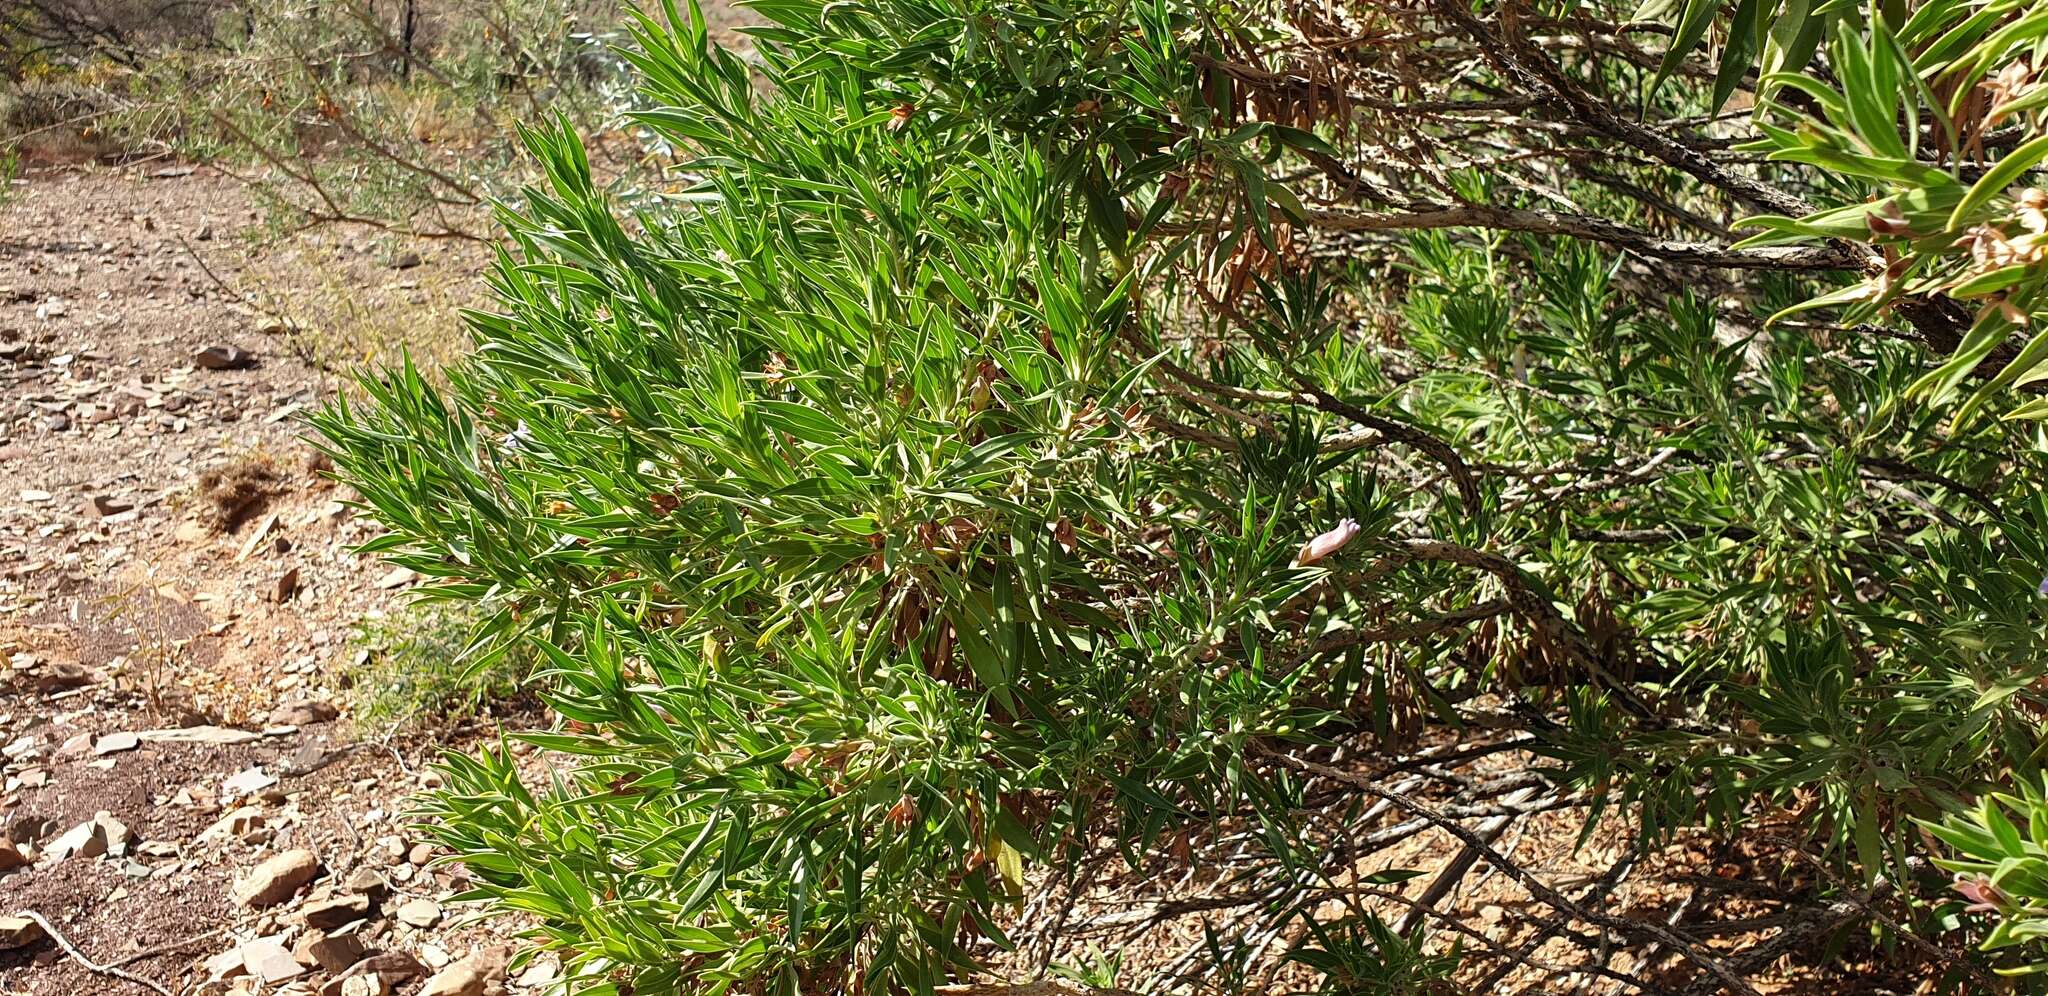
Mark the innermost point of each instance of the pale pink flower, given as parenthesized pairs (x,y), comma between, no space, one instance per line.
(2010,84)
(1327,544)
(1983,896)
(2031,208)
(1991,250)
(1888,221)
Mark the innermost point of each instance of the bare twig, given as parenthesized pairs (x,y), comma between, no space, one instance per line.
(1043,987)
(175,947)
(1535,886)
(79,956)
(1455,871)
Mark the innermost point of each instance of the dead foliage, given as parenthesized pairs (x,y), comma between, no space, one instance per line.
(234,492)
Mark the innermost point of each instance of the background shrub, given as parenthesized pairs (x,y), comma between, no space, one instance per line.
(1046,436)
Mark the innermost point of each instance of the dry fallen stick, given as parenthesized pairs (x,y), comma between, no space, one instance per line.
(174,947)
(1536,887)
(1040,988)
(79,956)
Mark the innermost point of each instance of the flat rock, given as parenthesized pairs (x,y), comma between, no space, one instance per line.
(220,736)
(365,880)
(105,505)
(18,932)
(114,743)
(541,972)
(11,856)
(389,967)
(275,880)
(224,358)
(268,960)
(421,913)
(247,782)
(304,713)
(226,964)
(86,840)
(331,913)
(328,952)
(470,976)
(60,675)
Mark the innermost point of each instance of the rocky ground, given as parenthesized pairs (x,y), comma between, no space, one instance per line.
(186,803)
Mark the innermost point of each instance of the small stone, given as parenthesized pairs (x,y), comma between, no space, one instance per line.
(191,531)
(470,976)
(18,932)
(421,913)
(114,832)
(238,823)
(29,828)
(114,743)
(335,912)
(286,586)
(11,856)
(421,853)
(224,358)
(406,261)
(268,960)
(365,985)
(275,880)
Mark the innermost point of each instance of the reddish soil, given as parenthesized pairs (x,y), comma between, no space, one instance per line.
(126,605)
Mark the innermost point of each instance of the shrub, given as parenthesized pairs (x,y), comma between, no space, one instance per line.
(1048,435)
(416,670)
(395,116)
(51,120)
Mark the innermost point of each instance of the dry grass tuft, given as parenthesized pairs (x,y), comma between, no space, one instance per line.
(234,492)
